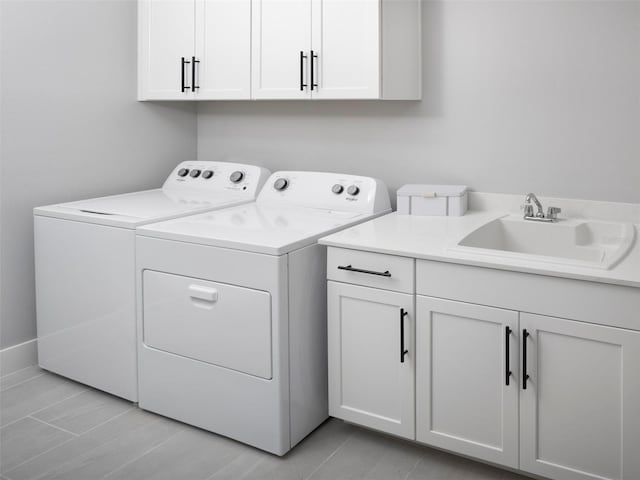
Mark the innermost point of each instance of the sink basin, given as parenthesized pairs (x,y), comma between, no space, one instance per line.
(583,243)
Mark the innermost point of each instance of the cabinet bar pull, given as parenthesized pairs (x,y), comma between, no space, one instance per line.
(194,87)
(302,84)
(184,86)
(525,377)
(507,369)
(360,270)
(313,77)
(403,351)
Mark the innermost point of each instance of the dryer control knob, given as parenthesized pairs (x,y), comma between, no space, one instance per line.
(353,190)
(207,174)
(236,176)
(183,172)
(281,184)
(337,189)
(195,173)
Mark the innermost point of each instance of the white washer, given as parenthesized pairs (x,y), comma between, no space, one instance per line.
(85,269)
(232,308)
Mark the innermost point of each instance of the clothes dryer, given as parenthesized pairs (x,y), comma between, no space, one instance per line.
(232,325)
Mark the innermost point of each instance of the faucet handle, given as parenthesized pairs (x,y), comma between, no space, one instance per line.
(552,212)
(528,209)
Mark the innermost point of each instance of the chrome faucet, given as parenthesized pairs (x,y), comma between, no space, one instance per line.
(531,200)
(531,197)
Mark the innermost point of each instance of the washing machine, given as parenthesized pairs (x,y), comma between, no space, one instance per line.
(232,308)
(85,269)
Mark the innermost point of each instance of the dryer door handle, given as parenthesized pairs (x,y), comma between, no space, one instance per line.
(206,294)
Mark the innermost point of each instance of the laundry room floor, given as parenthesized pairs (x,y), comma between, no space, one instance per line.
(55,428)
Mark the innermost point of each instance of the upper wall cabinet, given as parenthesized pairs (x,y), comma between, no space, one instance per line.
(194,49)
(279,49)
(336,49)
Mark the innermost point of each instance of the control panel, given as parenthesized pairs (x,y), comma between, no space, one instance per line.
(209,177)
(329,191)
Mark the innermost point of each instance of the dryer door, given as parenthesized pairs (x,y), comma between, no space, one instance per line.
(216,323)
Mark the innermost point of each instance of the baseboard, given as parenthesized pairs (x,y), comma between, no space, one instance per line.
(18,357)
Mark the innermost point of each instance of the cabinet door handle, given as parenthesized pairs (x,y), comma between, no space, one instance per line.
(184,86)
(302,59)
(313,77)
(507,369)
(349,268)
(525,377)
(403,351)
(194,87)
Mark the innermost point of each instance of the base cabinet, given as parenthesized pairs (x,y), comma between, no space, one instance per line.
(467,379)
(558,398)
(371,364)
(580,410)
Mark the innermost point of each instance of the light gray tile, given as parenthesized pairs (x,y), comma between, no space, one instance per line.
(438,465)
(122,442)
(513,476)
(191,454)
(35,394)
(480,471)
(26,439)
(240,467)
(299,463)
(371,456)
(83,412)
(110,456)
(120,427)
(20,376)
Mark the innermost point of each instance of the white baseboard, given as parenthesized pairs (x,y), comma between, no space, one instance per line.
(18,357)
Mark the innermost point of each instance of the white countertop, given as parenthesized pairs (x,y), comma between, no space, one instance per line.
(431,238)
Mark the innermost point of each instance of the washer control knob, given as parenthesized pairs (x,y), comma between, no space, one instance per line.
(207,174)
(195,173)
(183,172)
(353,190)
(236,176)
(281,184)
(337,189)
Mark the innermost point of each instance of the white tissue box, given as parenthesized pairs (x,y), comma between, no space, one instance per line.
(437,200)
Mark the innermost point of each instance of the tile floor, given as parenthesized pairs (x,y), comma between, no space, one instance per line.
(54,428)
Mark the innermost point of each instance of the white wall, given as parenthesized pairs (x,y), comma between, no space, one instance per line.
(519,95)
(71,127)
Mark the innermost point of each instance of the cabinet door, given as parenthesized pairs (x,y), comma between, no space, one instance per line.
(281,32)
(580,411)
(465,399)
(166,34)
(368,383)
(346,49)
(223,49)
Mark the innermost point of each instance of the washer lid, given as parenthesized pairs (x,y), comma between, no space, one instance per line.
(268,229)
(133,209)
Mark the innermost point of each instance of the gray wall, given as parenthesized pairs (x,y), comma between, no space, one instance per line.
(519,96)
(71,127)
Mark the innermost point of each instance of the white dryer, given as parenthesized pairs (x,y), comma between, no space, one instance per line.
(232,308)
(85,269)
